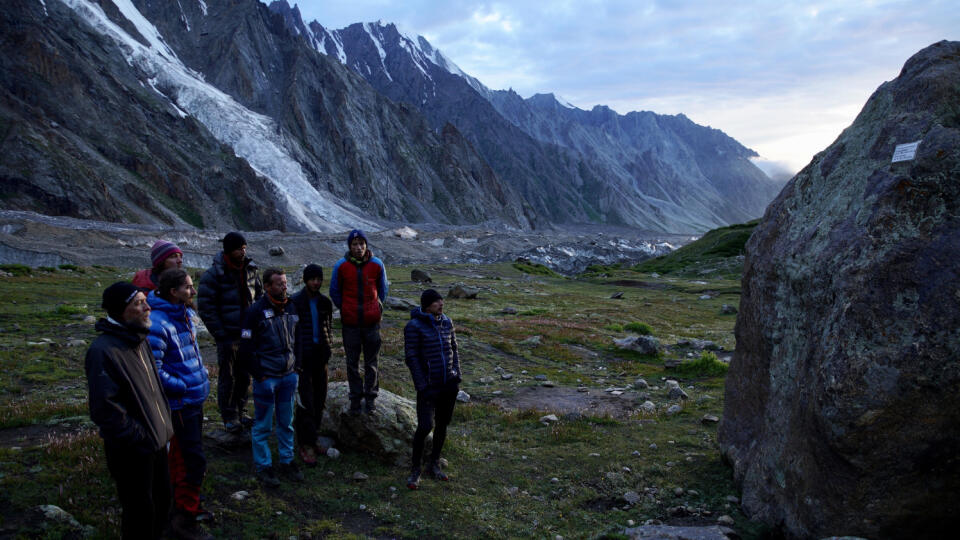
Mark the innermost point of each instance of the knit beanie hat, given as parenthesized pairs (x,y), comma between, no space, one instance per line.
(312,271)
(116,297)
(356,233)
(428,297)
(233,240)
(161,250)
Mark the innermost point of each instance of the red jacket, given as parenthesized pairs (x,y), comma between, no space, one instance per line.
(359,289)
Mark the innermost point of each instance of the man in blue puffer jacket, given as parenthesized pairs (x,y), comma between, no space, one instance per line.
(430,347)
(173,340)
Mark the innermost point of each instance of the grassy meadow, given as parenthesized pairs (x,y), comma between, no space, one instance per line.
(512,475)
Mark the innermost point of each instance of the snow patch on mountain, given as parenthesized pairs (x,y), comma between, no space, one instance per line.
(253,136)
(370,29)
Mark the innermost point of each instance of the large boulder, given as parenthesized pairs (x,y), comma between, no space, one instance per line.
(842,414)
(386,433)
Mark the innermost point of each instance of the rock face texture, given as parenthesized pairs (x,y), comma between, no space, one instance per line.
(842,414)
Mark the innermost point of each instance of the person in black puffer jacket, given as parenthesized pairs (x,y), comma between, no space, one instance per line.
(227,289)
(128,405)
(430,347)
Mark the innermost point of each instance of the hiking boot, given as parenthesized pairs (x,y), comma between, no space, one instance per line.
(371,406)
(413,481)
(438,473)
(268,477)
(184,526)
(354,407)
(233,428)
(308,454)
(246,422)
(291,472)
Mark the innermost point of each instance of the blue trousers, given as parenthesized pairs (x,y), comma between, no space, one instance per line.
(273,393)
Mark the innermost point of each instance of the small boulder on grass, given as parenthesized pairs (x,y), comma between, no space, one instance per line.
(647,345)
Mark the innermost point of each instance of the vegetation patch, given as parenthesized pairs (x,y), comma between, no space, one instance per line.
(16,269)
(707,365)
(536,269)
(712,253)
(639,328)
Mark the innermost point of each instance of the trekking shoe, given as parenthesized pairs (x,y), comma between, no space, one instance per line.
(268,477)
(184,526)
(371,406)
(233,428)
(291,472)
(246,422)
(203,516)
(354,407)
(438,473)
(308,454)
(413,481)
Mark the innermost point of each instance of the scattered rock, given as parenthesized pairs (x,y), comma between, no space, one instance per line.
(727,309)
(705,297)
(672,363)
(76,343)
(540,377)
(593,454)
(333,453)
(554,480)
(276,251)
(486,380)
(640,383)
(462,291)
(678,491)
(657,531)
(647,345)
(399,304)
(532,341)
(549,418)
(240,495)
(420,276)
(513,491)
(359,477)
(648,407)
(726,521)
(632,497)
(699,344)
(506,376)
(710,419)
(509,310)
(406,233)
(90,319)
(616,295)
(674,409)
(677,393)
(56,514)
(582,389)
(463,397)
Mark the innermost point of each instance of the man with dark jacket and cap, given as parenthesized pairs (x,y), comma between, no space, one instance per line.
(128,405)
(268,341)
(358,286)
(163,256)
(313,352)
(430,350)
(227,289)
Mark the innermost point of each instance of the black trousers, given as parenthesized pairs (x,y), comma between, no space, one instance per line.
(312,390)
(233,382)
(434,402)
(143,487)
(367,339)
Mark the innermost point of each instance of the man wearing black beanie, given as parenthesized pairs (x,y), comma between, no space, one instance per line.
(128,405)
(313,353)
(430,350)
(227,289)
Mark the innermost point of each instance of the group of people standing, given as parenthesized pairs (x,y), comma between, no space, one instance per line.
(147,381)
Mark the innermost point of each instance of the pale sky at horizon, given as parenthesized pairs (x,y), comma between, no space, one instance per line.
(783,78)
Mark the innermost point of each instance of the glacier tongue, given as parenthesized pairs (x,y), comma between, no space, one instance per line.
(253,136)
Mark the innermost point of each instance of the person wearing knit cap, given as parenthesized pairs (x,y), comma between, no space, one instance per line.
(227,289)
(128,406)
(163,256)
(431,354)
(314,331)
(358,286)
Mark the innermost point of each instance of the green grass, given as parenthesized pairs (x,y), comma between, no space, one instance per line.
(707,365)
(490,449)
(711,254)
(536,269)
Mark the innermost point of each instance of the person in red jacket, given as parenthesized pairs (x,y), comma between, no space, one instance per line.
(163,256)
(358,287)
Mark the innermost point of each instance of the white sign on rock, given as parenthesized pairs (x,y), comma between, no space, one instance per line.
(905,152)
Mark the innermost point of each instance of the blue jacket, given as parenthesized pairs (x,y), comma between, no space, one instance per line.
(430,347)
(173,340)
(268,339)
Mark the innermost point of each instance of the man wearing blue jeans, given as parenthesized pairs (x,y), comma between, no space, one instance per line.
(267,345)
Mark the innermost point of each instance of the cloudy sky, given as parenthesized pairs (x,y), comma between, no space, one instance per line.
(784,78)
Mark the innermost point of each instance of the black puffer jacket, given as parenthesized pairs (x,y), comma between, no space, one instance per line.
(430,350)
(126,397)
(307,349)
(219,299)
(268,339)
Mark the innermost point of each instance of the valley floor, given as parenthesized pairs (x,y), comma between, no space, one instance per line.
(603,466)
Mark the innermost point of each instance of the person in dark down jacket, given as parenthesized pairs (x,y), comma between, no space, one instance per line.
(163,256)
(227,289)
(128,405)
(358,285)
(268,346)
(173,340)
(430,348)
(313,352)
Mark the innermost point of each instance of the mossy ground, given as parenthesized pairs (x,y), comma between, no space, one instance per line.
(490,450)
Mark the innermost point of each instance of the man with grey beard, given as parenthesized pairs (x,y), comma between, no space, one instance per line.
(128,405)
